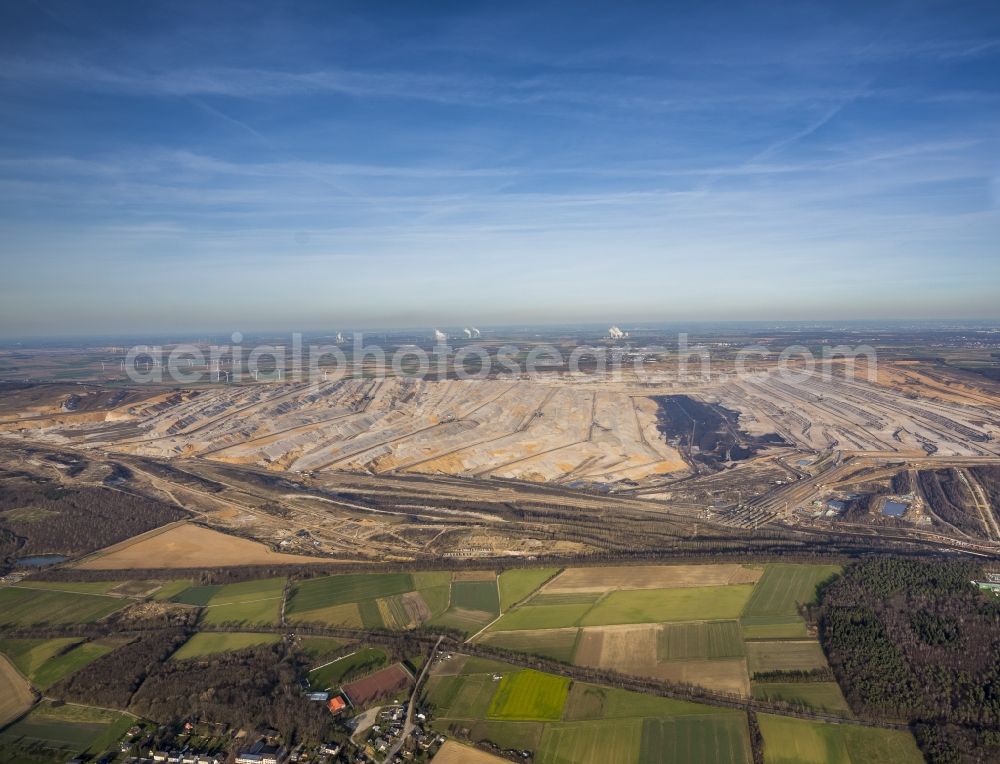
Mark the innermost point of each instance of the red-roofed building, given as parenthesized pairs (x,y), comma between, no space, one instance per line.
(336,704)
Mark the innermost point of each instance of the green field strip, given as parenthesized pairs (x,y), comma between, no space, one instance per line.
(317,593)
(529,695)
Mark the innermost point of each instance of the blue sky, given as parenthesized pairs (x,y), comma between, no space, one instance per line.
(214,166)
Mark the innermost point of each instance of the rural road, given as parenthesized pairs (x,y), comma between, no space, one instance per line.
(408,726)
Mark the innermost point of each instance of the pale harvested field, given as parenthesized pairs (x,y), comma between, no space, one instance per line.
(633,650)
(15,693)
(455,753)
(190,546)
(473,575)
(726,675)
(590,648)
(598,579)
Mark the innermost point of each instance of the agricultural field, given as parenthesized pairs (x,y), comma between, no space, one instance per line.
(798,741)
(604,579)
(456,753)
(542,617)
(367,660)
(557,644)
(719,738)
(627,620)
(15,693)
(65,730)
(375,601)
(248,602)
(785,655)
(772,611)
(70,662)
(29,655)
(481,596)
(593,742)
(75,587)
(208,643)
(529,695)
(517,584)
(565,722)
(823,695)
(171,589)
(383,683)
(30,607)
(661,605)
(319,647)
(195,595)
(316,593)
(189,546)
(784,586)
(700,640)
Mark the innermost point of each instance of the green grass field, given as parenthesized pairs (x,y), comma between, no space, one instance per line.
(466,696)
(719,738)
(30,654)
(70,728)
(515,585)
(700,641)
(797,741)
(347,615)
(773,627)
(357,664)
(529,695)
(320,647)
(195,595)
(206,643)
(476,595)
(76,587)
(565,598)
(28,607)
(825,695)
(69,662)
(663,605)
(171,589)
(569,723)
(549,617)
(317,593)
(467,621)
(518,735)
(431,579)
(437,598)
(590,701)
(558,644)
(784,655)
(248,602)
(371,616)
(591,742)
(784,587)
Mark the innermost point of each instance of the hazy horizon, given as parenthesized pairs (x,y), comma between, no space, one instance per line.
(169,167)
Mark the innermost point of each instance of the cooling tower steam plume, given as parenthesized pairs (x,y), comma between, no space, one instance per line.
(340,338)
(475,332)
(468,333)
(439,336)
(616,334)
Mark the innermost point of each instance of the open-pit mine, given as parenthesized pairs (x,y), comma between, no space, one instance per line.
(646,461)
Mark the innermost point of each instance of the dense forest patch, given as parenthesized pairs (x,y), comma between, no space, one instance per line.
(44,518)
(916,641)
